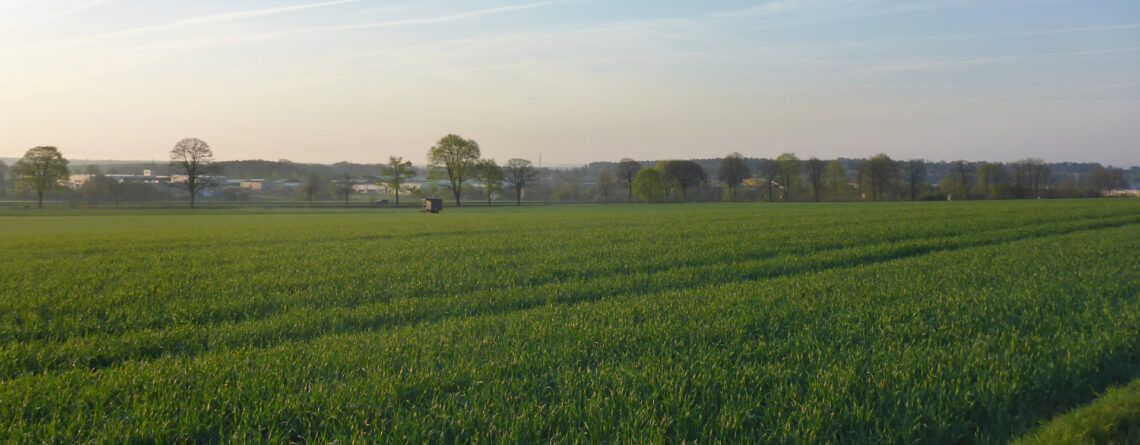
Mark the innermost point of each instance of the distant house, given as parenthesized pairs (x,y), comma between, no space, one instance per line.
(366,188)
(253,185)
(1123,192)
(76,182)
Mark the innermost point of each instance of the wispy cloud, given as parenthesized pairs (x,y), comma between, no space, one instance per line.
(1082,29)
(831,10)
(82,7)
(444,18)
(984,60)
(217,18)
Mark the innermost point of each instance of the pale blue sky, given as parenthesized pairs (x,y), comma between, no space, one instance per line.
(576,80)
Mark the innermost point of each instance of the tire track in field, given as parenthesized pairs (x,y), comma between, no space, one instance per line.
(96,353)
(256,309)
(119,386)
(253,310)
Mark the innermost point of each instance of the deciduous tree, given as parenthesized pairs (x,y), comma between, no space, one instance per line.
(881,172)
(732,172)
(789,173)
(491,175)
(769,172)
(457,158)
(395,173)
(193,158)
(649,185)
(312,187)
(40,170)
(519,174)
(915,171)
(627,172)
(344,187)
(816,168)
(1103,179)
(836,178)
(684,175)
(605,184)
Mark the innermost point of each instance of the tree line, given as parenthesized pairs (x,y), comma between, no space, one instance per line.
(457,165)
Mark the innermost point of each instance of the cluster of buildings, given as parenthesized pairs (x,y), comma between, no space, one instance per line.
(219,183)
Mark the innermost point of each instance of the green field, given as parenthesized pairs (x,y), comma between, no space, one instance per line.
(881,323)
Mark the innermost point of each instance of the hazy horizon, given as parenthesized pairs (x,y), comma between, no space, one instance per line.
(575,80)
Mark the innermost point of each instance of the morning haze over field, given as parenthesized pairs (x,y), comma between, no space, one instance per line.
(575,80)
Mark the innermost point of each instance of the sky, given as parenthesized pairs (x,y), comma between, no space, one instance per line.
(574,81)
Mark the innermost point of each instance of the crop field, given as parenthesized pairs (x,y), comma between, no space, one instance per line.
(895,323)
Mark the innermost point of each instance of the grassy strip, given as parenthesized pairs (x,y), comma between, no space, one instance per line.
(1113,418)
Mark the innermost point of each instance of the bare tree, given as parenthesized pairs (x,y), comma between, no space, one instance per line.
(193,158)
(492,176)
(520,173)
(915,170)
(732,172)
(40,170)
(627,172)
(769,171)
(395,173)
(312,186)
(457,157)
(816,168)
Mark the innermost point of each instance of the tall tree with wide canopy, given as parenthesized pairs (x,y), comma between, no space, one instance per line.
(395,173)
(40,170)
(520,173)
(733,170)
(457,158)
(627,172)
(193,158)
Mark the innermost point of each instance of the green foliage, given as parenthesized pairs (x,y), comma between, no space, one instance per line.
(395,173)
(732,171)
(649,185)
(914,323)
(456,158)
(40,170)
(1113,418)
